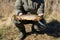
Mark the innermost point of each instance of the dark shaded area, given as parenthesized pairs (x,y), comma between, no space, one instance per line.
(53,29)
(1,16)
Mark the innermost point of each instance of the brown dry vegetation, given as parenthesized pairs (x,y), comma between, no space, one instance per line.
(9,32)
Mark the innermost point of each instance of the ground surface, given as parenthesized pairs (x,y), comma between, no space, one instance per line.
(8,31)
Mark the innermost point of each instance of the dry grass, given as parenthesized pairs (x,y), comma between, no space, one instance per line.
(9,32)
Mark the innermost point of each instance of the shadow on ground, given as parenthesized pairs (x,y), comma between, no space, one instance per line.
(53,29)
